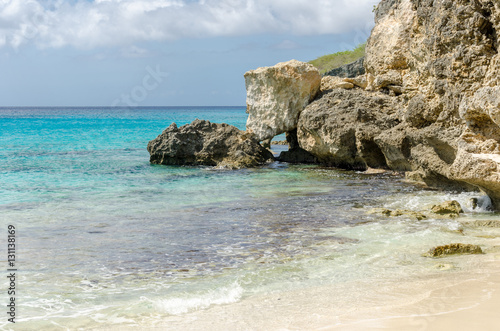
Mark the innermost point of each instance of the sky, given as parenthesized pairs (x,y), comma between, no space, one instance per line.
(162,52)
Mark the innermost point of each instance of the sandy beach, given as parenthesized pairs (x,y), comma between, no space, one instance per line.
(469,305)
(458,300)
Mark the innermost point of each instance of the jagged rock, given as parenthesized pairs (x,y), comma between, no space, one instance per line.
(205,143)
(452,249)
(359,81)
(349,70)
(398,212)
(340,128)
(281,142)
(438,64)
(277,95)
(331,82)
(451,208)
(446,55)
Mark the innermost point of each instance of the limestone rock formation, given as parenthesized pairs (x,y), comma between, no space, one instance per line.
(205,143)
(452,249)
(331,82)
(442,56)
(340,128)
(277,95)
(429,103)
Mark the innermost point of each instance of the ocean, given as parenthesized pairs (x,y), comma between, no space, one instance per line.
(105,240)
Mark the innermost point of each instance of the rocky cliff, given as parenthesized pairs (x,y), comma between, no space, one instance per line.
(428,104)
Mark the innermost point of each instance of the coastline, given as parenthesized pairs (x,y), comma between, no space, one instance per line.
(451,301)
(455,299)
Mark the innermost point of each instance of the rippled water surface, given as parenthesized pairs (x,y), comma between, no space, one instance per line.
(105,238)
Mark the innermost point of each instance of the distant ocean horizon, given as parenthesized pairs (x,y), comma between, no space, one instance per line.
(105,239)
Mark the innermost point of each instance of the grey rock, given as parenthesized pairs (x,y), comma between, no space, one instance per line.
(295,153)
(205,143)
(350,70)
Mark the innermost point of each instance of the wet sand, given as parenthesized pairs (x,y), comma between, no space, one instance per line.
(453,300)
(470,305)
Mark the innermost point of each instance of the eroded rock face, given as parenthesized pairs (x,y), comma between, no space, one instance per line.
(277,95)
(340,128)
(443,57)
(205,143)
(438,67)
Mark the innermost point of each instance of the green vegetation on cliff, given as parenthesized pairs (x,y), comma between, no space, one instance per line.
(328,62)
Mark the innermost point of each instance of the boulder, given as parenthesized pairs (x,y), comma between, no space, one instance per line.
(205,143)
(452,249)
(340,128)
(451,208)
(277,95)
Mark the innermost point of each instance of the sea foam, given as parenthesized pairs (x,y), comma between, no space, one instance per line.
(182,305)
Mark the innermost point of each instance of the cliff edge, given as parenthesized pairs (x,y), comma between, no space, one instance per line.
(428,104)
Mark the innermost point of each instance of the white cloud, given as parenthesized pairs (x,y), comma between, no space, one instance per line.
(88,24)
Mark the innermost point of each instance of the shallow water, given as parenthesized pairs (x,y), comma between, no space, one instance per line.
(106,239)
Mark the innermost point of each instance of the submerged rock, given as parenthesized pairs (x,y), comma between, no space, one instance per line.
(205,143)
(451,208)
(452,249)
(398,212)
(277,95)
(484,224)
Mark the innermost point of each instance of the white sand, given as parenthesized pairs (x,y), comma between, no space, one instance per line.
(448,301)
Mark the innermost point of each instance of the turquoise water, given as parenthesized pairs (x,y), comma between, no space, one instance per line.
(107,239)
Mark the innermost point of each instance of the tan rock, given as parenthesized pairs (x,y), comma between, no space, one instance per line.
(359,81)
(333,82)
(277,95)
(339,129)
(452,208)
(452,249)
(484,224)
(398,212)
(440,62)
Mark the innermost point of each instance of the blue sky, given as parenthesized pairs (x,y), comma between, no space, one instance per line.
(161,52)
